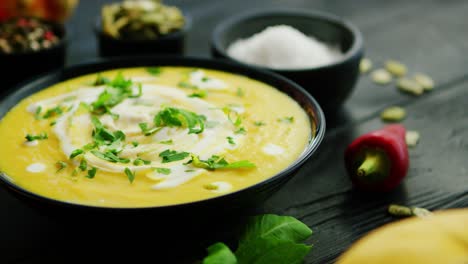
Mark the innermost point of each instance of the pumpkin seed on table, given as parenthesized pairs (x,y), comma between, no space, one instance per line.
(365,65)
(393,114)
(412,138)
(410,86)
(424,80)
(395,68)
(381,76)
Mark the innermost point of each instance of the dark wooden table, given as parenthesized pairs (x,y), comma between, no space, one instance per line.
(428,36)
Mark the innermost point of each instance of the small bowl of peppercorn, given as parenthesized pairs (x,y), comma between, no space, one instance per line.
(28,47)
(141,27)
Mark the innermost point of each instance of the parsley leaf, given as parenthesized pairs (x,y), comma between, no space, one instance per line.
(140,161)
(53,112)
(288,119)
(164,171)
(83,165)
(148,131)
(130,174)
(76,152)
(109,155)
(37,114)
(116,91)
(61,165)
(41,136)
(154,70)
(101,80)
(171,117)
(167,142)
(91,173)
(218,162)
(231,140)
(172,155)
(200,94)
(259,123)
(240,92)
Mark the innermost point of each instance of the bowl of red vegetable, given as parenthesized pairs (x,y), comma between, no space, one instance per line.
(30,46)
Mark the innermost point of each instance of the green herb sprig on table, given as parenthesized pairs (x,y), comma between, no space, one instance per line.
(267,239)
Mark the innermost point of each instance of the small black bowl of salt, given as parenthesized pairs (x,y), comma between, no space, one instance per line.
(319,51)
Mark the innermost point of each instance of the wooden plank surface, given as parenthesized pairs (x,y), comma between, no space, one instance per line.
(428,36)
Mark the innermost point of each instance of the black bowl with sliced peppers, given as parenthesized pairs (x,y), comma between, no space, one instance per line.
(29,46)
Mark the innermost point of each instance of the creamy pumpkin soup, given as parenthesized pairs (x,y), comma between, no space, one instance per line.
(142,137)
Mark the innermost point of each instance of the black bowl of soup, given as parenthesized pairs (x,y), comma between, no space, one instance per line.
(165,147)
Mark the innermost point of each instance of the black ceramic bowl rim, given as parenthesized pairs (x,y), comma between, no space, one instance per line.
(62,41)
(314,15)
(40,83)
(172,35)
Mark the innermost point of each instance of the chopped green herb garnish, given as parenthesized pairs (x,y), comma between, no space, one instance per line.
(76,152)
(135,144)
(61,165)
(109,155)
(103,137)
(41,136)
(154,70)
(164,171)
(166,142)
(83,165)
(130,174)
(116,91)
(139,162)
(240,92)
(189,170)
(289,119)
(200,94)
(37,114)
(186,85)
(101,80)
(231,140)
(172,155)
(259,123)
(218,162)
(241,130)
(233,116)
(91,173)
(56,111)
(148,131)
(171,117)
(53,123)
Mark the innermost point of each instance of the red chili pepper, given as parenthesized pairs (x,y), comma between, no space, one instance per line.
(378,160)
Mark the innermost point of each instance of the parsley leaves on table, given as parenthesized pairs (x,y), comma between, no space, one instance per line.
(40,136)
(267,239)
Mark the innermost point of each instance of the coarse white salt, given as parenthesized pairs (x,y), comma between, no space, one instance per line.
(283,47)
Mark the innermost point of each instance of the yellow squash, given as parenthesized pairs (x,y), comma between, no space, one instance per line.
(440,238)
